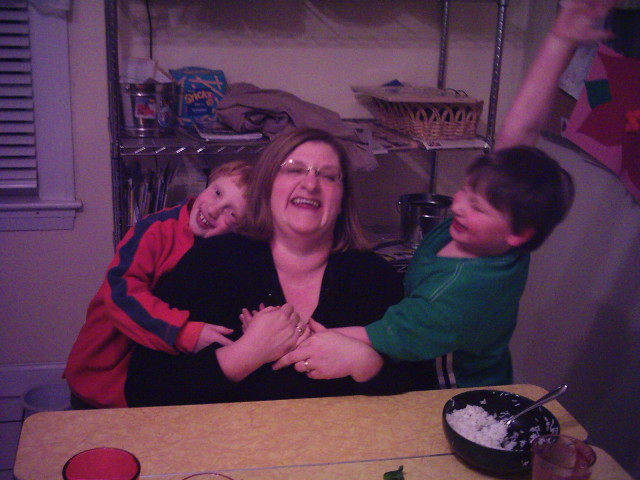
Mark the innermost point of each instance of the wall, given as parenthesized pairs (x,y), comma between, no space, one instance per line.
(579,320)
(580,310)
(48,278)
(317,50)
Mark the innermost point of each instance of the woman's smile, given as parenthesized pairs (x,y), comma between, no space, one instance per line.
(305,202)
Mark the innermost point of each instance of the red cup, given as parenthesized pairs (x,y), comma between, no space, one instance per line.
(561,457)
(102,464)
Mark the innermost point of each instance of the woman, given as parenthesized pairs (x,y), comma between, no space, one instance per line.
(303,255)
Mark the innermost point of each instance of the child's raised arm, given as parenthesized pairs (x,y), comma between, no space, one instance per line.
(578,22)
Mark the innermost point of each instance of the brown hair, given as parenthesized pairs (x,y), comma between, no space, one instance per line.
(258,221)
(526,184)
(239,169)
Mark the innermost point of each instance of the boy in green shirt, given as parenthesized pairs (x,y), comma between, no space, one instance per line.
(465,280)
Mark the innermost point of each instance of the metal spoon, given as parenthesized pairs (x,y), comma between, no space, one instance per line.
(544,399)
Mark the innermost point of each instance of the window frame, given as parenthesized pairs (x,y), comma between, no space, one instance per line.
(55,205)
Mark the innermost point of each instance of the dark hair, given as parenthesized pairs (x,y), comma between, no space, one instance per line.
(258,221)
(526,184)
(235,168)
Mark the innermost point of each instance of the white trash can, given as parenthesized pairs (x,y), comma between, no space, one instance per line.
(48,397)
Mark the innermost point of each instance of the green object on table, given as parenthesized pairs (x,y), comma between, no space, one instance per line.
(394,474)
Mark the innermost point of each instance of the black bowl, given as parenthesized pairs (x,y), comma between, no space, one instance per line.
(523,430)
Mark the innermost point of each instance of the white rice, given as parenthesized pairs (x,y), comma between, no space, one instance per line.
(476,424)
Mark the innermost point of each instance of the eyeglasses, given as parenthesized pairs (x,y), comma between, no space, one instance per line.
(297,168)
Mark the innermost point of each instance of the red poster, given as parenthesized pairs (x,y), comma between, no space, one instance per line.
(606,119)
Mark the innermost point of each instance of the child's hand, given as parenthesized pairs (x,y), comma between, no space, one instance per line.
(581,20)
(213,334)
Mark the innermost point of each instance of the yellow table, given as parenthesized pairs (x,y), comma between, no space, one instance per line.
(354,437)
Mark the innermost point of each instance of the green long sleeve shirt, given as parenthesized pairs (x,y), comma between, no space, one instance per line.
(459,311)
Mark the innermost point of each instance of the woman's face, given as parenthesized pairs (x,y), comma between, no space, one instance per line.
(307,191)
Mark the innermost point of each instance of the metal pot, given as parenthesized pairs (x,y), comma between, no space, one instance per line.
(420,213)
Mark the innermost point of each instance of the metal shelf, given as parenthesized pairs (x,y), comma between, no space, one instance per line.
(182,145)
(477,143)
(124,147)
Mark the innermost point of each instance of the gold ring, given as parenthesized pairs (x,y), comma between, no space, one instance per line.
(306,365)
(299,330)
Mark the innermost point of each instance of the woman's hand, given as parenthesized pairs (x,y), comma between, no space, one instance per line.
(213,334)
(327,354)
(270,334)
(273,332)
(246,316)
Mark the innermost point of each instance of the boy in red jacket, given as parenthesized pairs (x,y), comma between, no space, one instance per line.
(125,311)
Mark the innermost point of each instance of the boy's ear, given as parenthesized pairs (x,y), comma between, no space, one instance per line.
(517,239)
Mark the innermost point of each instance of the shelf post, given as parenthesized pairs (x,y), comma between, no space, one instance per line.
(442,72)
(111,19)
(495,76)
(444,36)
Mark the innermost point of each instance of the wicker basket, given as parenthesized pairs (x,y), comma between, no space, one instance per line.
(425,113)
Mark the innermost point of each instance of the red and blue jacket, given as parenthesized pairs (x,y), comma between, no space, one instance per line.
(125,311)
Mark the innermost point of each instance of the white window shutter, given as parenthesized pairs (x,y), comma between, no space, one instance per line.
(18,166)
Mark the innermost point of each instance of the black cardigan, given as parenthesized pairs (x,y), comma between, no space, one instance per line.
(221,275)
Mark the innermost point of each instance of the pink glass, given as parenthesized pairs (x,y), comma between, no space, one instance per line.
(561,457)
(102,464)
